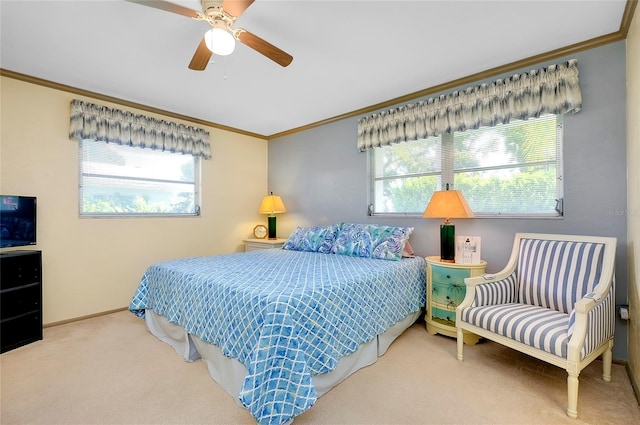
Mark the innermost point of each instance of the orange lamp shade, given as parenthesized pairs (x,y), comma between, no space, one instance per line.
(448,204)
(272,204)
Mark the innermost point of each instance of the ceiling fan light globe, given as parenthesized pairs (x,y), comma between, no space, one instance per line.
(220,41)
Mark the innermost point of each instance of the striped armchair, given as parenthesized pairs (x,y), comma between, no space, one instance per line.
(554,301)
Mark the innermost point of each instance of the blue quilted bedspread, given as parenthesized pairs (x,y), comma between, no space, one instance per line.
(286,315)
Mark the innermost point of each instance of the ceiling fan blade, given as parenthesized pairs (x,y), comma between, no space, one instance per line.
(280,57)
(201,57)
(236,7)
(167,6)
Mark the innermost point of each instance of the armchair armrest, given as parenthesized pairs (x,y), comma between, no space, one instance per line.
(587,302)
(591,322)
(489,290)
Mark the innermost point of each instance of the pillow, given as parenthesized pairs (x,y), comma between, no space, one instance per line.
(371,241)
(407,251)
(312,239)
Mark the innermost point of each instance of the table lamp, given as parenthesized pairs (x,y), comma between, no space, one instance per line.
(272,205)
(448,204)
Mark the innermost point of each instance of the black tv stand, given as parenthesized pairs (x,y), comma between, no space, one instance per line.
(20,298)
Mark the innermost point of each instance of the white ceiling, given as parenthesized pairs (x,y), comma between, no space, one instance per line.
(348,55)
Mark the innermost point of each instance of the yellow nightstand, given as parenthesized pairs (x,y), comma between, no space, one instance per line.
(254,244)
(445,290)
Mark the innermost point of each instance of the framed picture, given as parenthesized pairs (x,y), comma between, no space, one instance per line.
(468,249)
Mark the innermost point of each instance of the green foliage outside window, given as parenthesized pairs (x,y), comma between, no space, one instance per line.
(118,204)
(506,169)
(124,180)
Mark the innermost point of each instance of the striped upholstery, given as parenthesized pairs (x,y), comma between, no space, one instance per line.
(535,326)
(545,329)
(556,274)
(499,292)
(554,300)
(535,304)
(601,322)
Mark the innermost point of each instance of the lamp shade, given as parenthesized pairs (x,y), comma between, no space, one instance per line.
(448,204)
(272,204)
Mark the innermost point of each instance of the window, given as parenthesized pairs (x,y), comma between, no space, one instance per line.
(513,169)
(120,180)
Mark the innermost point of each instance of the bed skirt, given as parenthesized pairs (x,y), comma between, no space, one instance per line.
(230,373)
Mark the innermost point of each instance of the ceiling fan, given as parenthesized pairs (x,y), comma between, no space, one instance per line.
(220,39)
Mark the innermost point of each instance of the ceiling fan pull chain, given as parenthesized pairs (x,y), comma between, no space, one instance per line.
(224,67)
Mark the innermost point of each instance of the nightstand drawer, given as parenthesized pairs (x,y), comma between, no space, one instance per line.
(443,315)
(255,244)
(447,294)
(448,275)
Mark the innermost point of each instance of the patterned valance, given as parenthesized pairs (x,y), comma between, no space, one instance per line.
(96,122)
(551,90)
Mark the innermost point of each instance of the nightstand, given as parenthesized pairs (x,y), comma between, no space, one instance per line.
(255,244)
(445,290)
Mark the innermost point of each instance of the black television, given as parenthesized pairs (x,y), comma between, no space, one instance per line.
(17,220)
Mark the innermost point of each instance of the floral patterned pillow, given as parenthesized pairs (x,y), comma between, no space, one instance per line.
(371,241)
(312,239)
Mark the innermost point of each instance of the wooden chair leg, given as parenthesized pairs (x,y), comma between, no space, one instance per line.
(459,356)
(606,362)
(572,399)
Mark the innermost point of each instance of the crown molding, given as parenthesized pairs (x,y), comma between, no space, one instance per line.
(619,35)
(627,17)
(105,98)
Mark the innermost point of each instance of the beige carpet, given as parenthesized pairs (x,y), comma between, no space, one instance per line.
(111,370)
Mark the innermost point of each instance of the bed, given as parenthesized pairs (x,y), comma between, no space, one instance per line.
(278,328)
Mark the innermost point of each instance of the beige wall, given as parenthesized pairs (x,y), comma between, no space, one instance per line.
(94,265)
(633,187)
